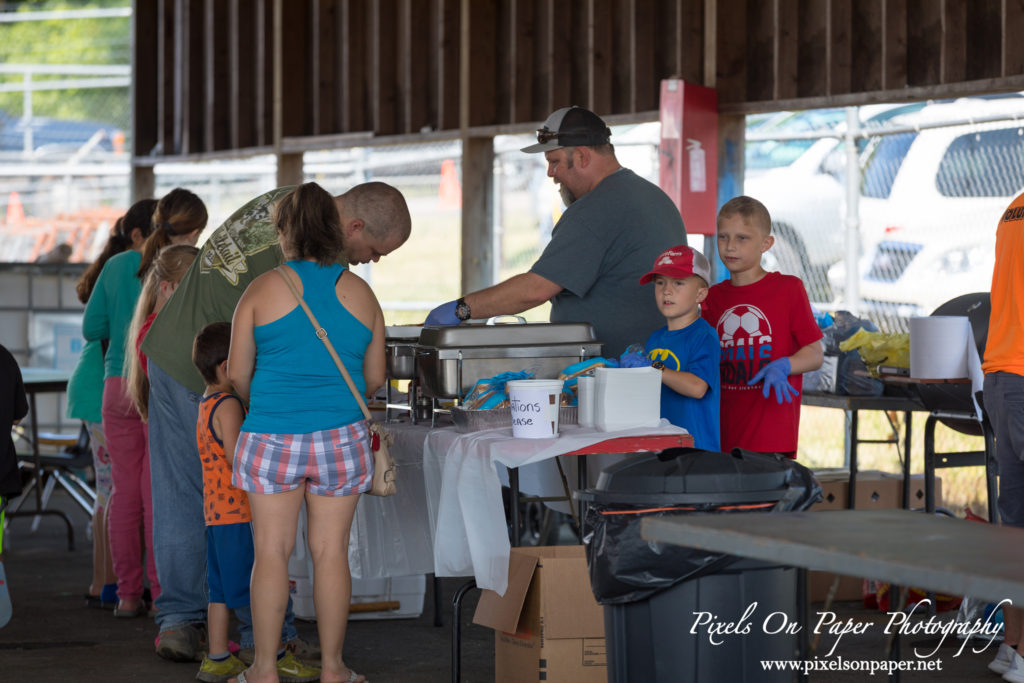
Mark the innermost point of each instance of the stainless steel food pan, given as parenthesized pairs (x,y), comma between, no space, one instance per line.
(499,418)
(402,332)
(450,360)
(401,360)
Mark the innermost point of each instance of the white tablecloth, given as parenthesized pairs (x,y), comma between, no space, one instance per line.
(392,536)
(464,492)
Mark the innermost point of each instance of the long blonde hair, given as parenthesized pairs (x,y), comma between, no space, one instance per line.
(170,265)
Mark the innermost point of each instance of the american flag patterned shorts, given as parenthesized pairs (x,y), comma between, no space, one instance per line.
(331,462)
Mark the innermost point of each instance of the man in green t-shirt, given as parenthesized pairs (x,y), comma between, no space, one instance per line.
(374,222)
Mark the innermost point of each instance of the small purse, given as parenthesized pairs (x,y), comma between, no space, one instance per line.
(384,470)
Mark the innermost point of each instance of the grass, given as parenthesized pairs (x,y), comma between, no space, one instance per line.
(821,445)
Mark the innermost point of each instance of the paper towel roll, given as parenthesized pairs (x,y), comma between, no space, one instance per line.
(938,346)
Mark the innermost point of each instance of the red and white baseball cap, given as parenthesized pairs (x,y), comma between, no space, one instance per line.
(680,262)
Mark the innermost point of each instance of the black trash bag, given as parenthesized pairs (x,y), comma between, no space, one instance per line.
(626,568)
(849,364)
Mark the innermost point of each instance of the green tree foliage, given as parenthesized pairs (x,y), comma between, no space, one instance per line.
(105,41)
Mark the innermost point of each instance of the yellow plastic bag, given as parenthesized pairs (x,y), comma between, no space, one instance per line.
(879,348)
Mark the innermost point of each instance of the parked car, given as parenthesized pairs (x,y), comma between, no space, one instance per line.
(930,206)
(806,197)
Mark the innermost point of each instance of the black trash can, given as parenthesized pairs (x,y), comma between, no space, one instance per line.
(667,608)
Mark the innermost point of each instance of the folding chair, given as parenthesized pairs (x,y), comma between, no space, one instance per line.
(60,468)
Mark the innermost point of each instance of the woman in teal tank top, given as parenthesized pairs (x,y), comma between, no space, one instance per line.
(304,438)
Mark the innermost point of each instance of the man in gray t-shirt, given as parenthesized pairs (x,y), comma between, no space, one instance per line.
(615,226)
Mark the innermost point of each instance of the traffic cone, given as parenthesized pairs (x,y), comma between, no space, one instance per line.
(15,212)
(450,192)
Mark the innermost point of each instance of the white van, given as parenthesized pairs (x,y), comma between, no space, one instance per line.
(929,221)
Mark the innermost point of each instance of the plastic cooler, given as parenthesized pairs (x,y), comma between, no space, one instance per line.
(653,593)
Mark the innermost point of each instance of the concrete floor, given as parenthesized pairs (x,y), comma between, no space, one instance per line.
(54,638)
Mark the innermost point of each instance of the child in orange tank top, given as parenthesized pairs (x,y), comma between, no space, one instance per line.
(229,541)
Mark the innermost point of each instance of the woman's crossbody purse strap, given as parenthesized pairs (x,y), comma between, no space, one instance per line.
(321,334)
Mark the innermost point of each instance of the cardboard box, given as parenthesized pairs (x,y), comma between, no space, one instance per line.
(875,491)
(548,624)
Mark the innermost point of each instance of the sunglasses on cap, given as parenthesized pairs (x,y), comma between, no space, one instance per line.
(544,135)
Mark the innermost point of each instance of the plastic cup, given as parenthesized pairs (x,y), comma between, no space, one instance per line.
(535,404)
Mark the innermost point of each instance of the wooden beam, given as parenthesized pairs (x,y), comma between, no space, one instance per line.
(924,42)
(894,44)
(166,68)
(647,85)
(243,69)
(785,24)
(289,169)
(145,95)
(760,50)
(622,57)
(446,31)
(953,48)
(522,29)
(294,106)
(325,65)
(866,46)
(477,212)
(577,62)
(217,79)
(479,66)
(812,55)
(263,75)
(1012,57)
(414,73)
(984,47)
(191,57)
(730,55)
(355,44)
(602,57)
(838,50)
(384,67)
(692,54)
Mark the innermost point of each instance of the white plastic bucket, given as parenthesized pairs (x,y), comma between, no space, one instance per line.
(535,404)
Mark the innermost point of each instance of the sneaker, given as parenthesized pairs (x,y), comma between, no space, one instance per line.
(215,672)
(1004,658)
(303,650)
(184,644)
(291,670)
(1015,674)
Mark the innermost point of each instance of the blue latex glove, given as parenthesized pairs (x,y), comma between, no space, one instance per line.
(776,376)
(634,359)
(443,315)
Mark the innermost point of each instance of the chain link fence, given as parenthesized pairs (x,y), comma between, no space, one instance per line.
(932,182)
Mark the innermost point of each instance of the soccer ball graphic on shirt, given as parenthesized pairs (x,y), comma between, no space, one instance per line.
(743,321)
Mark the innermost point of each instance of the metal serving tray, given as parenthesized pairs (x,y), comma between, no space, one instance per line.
(499,418)
(450,360)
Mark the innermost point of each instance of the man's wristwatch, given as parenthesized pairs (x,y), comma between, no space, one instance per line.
(462,311)
(658,365)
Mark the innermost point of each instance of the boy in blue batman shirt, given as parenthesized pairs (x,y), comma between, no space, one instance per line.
(686,350)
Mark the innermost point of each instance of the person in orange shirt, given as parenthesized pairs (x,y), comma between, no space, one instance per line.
(1004,401)
(229,542)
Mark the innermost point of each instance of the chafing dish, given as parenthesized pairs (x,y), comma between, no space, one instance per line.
(399,343)
(450,360)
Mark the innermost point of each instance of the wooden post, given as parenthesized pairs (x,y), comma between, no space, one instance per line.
(477,212)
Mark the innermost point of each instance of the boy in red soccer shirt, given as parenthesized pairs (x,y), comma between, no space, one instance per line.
(767,334)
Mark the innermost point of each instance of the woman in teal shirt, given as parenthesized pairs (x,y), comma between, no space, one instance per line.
(85,400)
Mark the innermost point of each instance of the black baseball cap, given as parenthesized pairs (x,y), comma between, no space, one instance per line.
(569,127)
